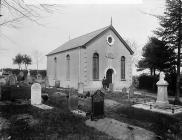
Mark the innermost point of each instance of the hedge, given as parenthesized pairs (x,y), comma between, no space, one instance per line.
(148,82)
(33,73)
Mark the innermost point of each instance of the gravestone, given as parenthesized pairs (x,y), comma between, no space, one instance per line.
(29,78)
(39,78)
(131,91)
(72,99)
(12,80)
(111,87)
(162,95)
(20,77)
(124,90)
(57,84)
(46,82)
(36,94)
(97,105)
(80,88)
(2,83)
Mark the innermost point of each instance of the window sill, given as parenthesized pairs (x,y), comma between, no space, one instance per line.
(123,79)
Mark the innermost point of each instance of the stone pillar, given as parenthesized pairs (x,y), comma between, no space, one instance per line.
(162,95)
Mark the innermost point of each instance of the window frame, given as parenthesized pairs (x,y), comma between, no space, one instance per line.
(68,67)
(95,65)
(123,68)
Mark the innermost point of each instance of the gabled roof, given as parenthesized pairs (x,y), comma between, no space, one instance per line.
(87,38)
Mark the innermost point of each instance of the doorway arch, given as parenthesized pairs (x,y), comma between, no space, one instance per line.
(109,75)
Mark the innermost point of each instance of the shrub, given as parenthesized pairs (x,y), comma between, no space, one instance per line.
(33,73)
(147,82)
(42,72)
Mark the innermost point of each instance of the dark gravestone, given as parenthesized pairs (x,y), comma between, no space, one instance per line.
(39,78)
(20,77)
(97,105)
(2,83)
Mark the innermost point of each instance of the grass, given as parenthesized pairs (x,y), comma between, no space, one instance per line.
(58,123)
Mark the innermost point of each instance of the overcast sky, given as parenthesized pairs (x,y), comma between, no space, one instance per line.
(75,20)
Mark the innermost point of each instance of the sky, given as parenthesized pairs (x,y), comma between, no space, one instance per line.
(72,20)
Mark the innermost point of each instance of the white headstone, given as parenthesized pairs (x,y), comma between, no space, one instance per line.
(162,95)
(36,94)
(80,88)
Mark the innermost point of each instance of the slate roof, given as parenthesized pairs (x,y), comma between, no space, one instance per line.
(84,39)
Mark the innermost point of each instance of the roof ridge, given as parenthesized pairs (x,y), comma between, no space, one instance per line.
(75,40)
(89,33)
(87,38)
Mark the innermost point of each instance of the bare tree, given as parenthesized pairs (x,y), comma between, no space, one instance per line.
(15,11)
(137,50)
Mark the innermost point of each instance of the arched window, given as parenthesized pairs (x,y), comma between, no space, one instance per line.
(55,67)
(96,66)
(68,67)
(122,67)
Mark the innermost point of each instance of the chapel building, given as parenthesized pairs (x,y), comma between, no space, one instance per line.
(83,62)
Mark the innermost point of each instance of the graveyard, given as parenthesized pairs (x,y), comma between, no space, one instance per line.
(32,110)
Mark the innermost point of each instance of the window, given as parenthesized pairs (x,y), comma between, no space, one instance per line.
(68,67)
(96,66)
(110,40)
(122,68)
(55,67)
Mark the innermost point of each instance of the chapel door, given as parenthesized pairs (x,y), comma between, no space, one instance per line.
(109,76)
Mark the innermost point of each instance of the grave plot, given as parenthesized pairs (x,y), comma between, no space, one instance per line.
(120,130)
(169,110)
(36,97)
(97,105)
(161,105)
(87,105)
(75,103)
